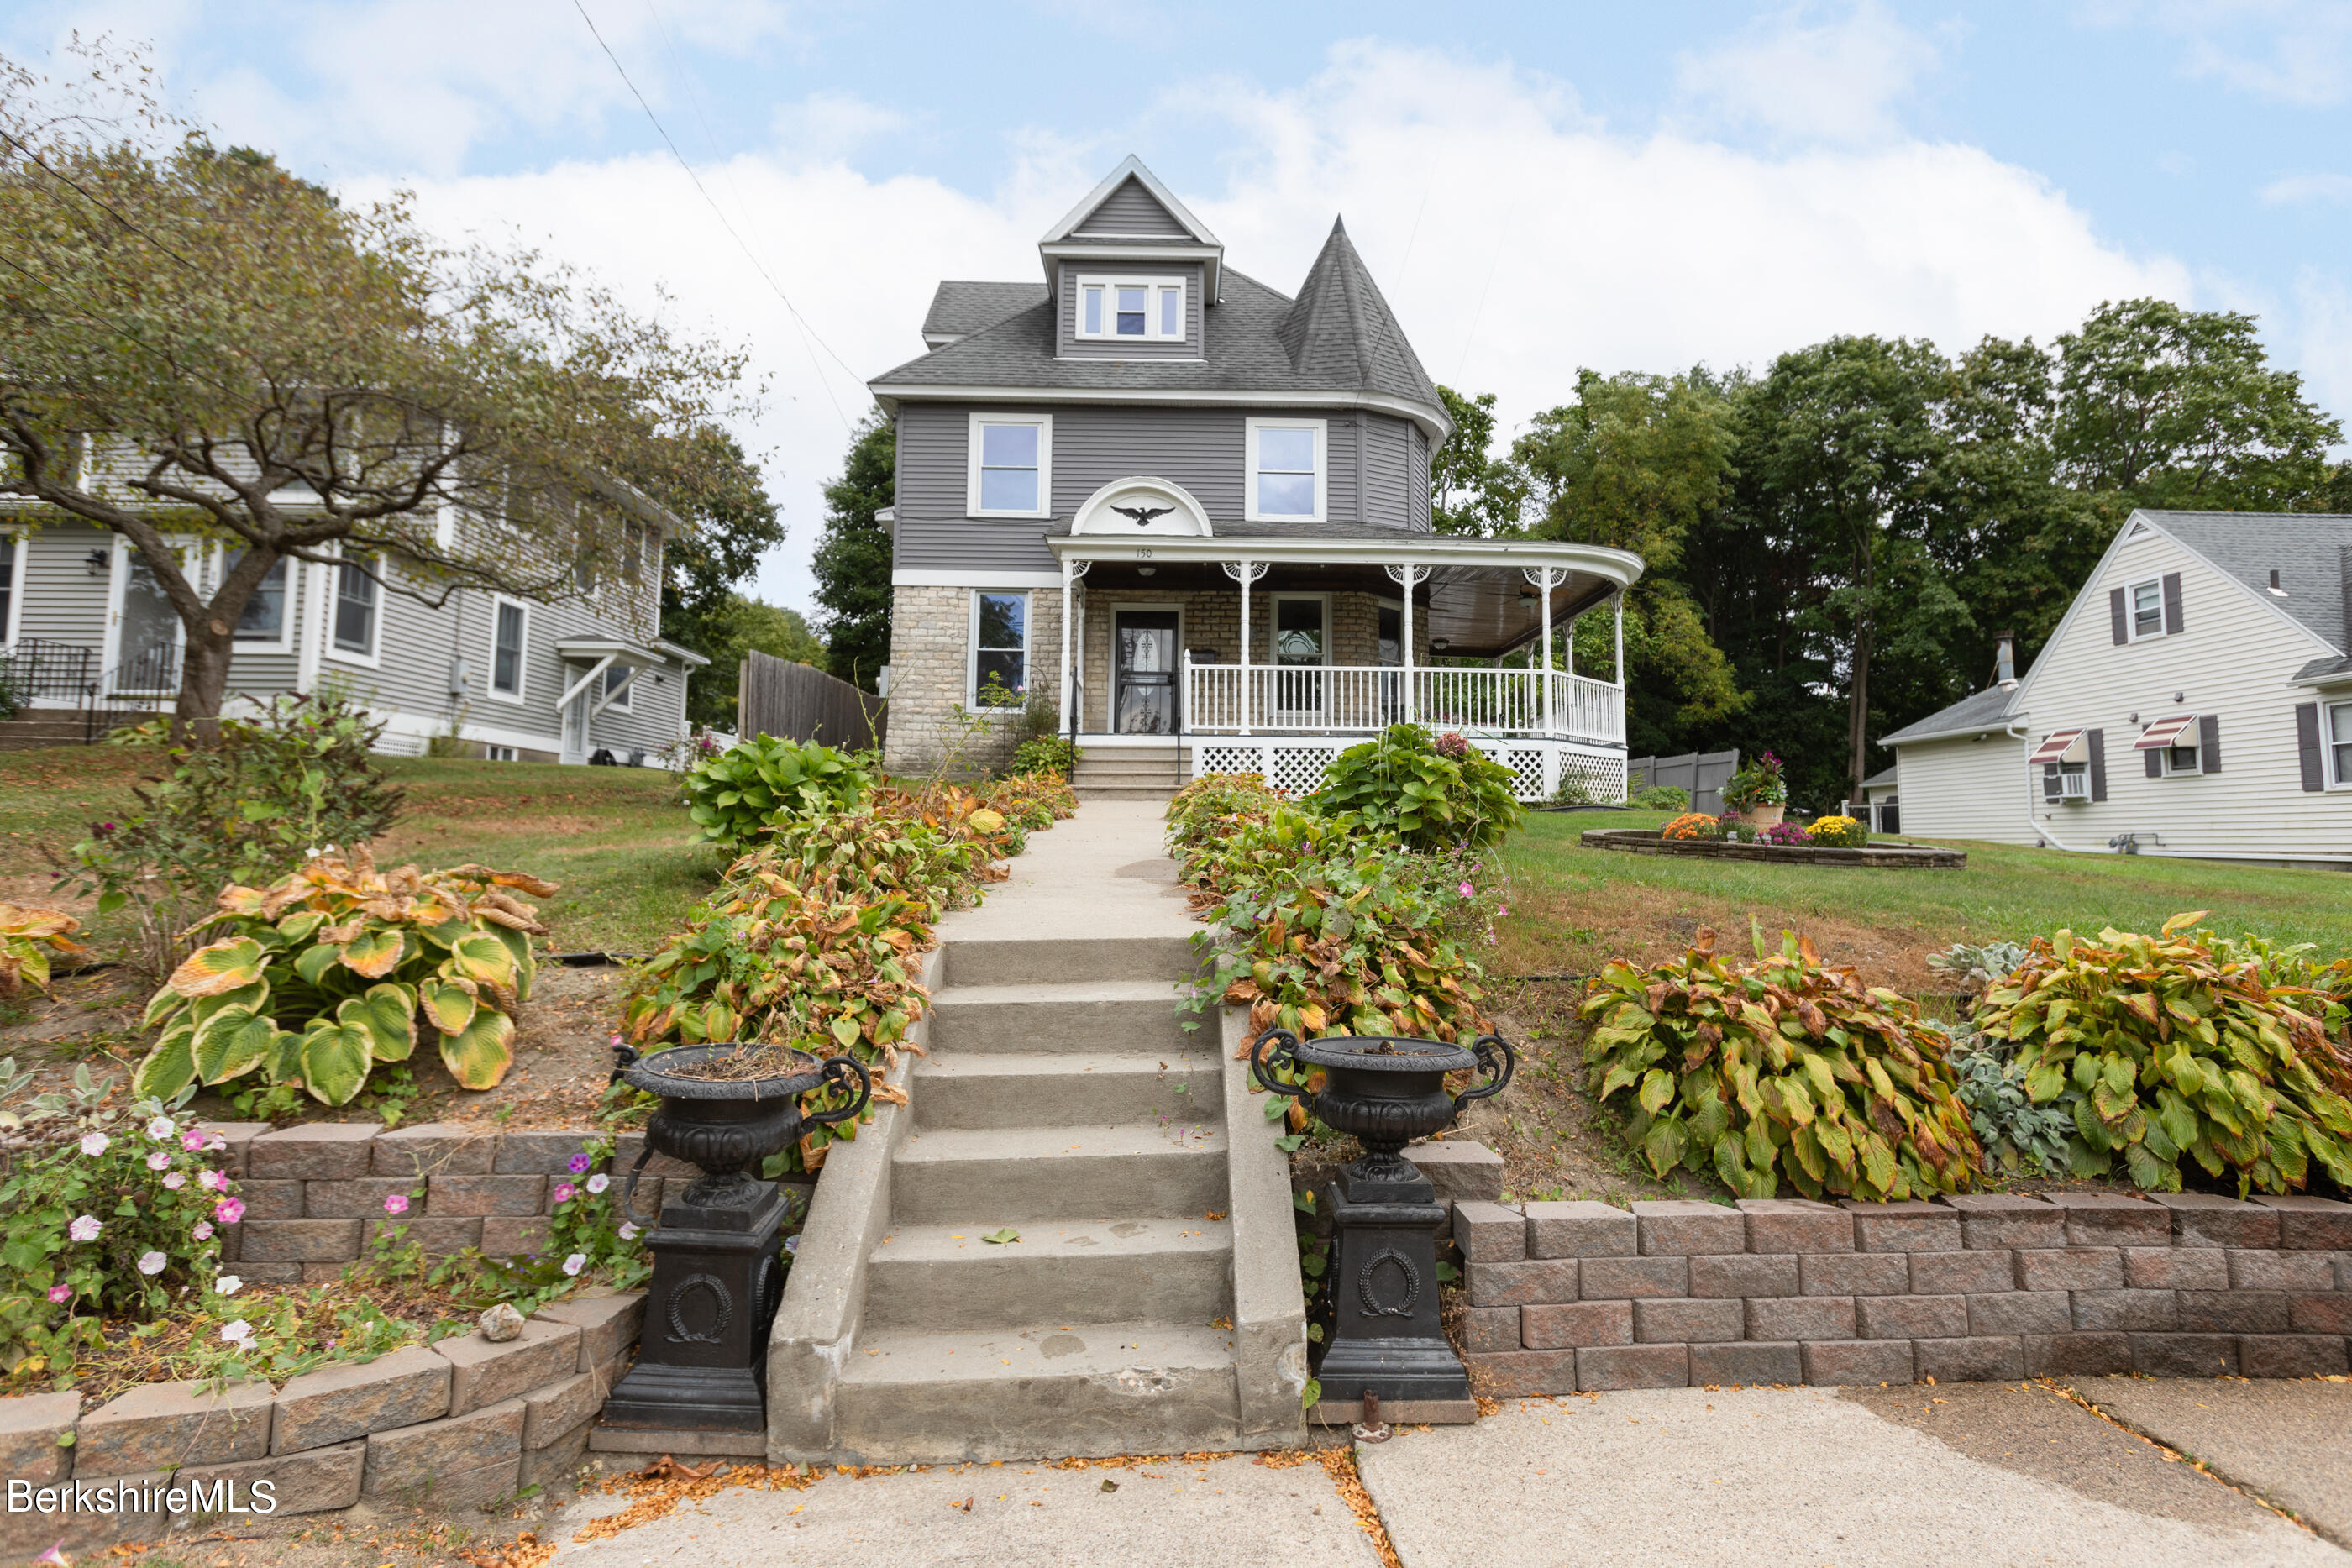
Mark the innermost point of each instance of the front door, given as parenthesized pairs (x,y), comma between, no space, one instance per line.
(1144,694)
(147,632)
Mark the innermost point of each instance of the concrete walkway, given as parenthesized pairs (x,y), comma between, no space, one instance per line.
(1099,875)
(2290,1443)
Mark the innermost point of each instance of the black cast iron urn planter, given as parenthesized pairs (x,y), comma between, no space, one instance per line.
(1385,1338)
(702,1355)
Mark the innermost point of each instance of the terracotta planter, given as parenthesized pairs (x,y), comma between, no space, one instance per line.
(1764,816)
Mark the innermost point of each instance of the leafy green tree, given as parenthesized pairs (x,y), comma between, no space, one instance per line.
(853,555)
(735,523)
(202,350)
(1471,490)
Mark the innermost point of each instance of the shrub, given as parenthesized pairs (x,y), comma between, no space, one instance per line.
(2180,1050)
(1982,965)
(1738,829)
(761,780)
(1781,1068)
(23,935)
(1433,794)
(1046,754)
(960,813)
(1757,784)
(865,853)
(1208,807)
(1663,797)
(1838,832)
(1031,802)
(245,811)
(339,966)
(2018,1137)
(1692,825)
(1783,833)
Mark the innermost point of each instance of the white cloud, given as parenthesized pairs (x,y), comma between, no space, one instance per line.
(826,126)
(1838,80)
(2298,190)
(2290,51)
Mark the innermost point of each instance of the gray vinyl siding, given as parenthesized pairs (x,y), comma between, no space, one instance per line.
(1067,303)
(1131,210)
(1416,487)
(63,602)
(1387,469)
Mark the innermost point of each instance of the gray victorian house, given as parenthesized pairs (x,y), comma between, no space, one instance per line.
(1193,513)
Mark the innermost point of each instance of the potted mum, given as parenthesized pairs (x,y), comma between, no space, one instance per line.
(1758,793)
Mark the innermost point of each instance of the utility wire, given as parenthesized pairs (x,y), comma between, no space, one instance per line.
(807,332)
(95,200)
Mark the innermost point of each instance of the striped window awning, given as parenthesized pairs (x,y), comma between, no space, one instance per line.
(2063,745)
(2167,732)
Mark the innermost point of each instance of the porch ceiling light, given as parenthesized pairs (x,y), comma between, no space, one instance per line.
(1439,644)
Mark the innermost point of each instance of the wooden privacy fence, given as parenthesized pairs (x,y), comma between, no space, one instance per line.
(1703,773)
(800,702)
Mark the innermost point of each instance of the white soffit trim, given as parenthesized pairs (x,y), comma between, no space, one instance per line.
(1622,567)
(889,394)
(1131,165)
(909,577)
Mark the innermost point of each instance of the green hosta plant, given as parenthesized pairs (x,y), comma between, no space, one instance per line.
(339,966)
(761,781)
(2180,1050)
(1777,1070)
(1433,794)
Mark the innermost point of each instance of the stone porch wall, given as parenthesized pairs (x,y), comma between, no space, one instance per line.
(1572,1297)
(930,669)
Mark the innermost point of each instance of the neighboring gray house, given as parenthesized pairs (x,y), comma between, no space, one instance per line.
(1193,513)
(83,624)
(2195,700)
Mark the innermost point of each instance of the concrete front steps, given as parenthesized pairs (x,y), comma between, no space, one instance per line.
(1151,1302)
(1123,773)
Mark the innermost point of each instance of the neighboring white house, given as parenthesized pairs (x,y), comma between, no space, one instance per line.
(2196,700)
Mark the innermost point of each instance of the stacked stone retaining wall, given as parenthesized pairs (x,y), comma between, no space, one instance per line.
(1573,1297)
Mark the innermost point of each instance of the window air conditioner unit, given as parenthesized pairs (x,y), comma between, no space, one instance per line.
(2073,787)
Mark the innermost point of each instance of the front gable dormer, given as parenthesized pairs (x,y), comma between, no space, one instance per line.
(1130,272)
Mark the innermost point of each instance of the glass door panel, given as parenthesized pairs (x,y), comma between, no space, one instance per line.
(1299,655)
(1145,680)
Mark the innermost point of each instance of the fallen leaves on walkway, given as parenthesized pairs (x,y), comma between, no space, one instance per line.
(1340,1464)
(525,1551)
(660,1487)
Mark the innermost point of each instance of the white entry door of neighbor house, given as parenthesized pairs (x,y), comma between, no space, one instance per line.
(143,632)
(575,728)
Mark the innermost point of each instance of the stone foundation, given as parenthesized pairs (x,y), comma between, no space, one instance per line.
(1575,1297)
(930,674)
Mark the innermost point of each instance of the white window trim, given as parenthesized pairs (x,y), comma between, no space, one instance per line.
(284,641)
(1274,630)
(1044,424)
(1152,334)
(620,700)
(12,617)
(1322,429)
(2194,748)
(373,658)
(522,663)
(2327,744)
(2131,610)
(972,650)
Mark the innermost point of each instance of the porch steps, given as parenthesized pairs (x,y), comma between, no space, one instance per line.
(1151,773)
(37,729)
(1061,1100)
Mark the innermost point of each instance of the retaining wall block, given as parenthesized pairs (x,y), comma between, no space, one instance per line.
(2208,1220)
(2330,1313)
(1779,1363)
(439,1237)
(1997,1219)
(510,1235)
(1800,1317)
(2233,1312)
(608,1324)
(30,1425)
(1684,1227)
(2170,1267)
(2184,1354)
(1856,1274)
(1532,1280)
(1962,1273)
(2264,1270)
(336,1404)
(556,1465)
(1625,1279)
(1632,1366)
(238,1136)
(272,1199)
(1689,1322)
(1969,1359)
(2112,1219)
(2020,1312)
(484,1373)
(1909,1226)
(2070,1269)
(312,1481)
(2077,1354)
(451,1464)
(1580,1230)
(555,1409)
(1463,1171)
(2290,1356)
(2310,1222)
(1912,1317)
(452,1195)
(1790,1225)
(1487,1328)
(163,1425)
(320,1151)
(1845,1362)
(1576,1325)
(1522,1374)
(299,1240)
(361,1197)
(1490,1232)
(540,1153)
(1744,1274)
(2144,1311)
(434,1148)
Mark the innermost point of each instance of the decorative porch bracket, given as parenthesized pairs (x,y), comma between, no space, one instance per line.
(1545,579)
(1245,572)
(1404,577)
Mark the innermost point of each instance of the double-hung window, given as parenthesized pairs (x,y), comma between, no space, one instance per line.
(1012,465)
(1000,641)
(509,620)
(2339,740)
(355,611)
(263,619)
(11,547)
(2146,610)
(1286,458)
(1136,309)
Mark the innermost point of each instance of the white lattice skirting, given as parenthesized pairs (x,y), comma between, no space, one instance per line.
(1295,765)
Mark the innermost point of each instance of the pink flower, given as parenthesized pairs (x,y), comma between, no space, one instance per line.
(95,1144)
(564,1192)
(158,1160)
(192,1140)
(61,1292)
(574,1264)
(85,1229)
(174,1181)
(599,1182)
(204,1231)
(578,1163)
(212,1181)
(229,1210)
(395,1203)
(1466,890)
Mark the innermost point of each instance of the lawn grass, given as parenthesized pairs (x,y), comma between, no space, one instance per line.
(613,838)
(1575,907)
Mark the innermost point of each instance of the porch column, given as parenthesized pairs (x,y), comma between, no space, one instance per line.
(1071,571)
(1545,579)
(1621,640)
(1404,577)
(1245,572)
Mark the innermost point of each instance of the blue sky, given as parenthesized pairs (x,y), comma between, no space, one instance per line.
(1537,187)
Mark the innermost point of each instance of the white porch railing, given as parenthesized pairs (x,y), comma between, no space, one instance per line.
(1357,699)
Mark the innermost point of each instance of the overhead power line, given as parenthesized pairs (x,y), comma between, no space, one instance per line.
(808,333)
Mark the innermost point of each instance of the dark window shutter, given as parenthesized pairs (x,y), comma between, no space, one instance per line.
(2098,739)
(2115,616)
(2307,744)
(2171,603)
(2049,782)
(2209,744)
(2155,760)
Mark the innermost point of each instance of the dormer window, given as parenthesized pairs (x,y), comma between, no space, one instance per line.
(1138,309)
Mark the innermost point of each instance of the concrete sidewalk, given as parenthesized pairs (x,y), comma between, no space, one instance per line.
(2290,1443)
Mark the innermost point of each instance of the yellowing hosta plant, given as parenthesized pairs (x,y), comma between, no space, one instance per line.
(1777,1070)
(339,966)
(2179,1050)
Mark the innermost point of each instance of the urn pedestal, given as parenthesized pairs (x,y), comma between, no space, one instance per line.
(1385,1337)
(717,1277)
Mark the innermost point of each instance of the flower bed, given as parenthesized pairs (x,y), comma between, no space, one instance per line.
(1647,841)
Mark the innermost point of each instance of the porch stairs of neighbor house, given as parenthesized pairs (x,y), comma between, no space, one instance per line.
(1062,1099)
(1149,772)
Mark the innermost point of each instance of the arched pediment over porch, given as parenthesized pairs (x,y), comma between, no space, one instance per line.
(1142,507)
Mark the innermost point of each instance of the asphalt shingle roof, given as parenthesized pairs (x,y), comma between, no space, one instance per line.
(960,309)
(1986,709)
(2308,550)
